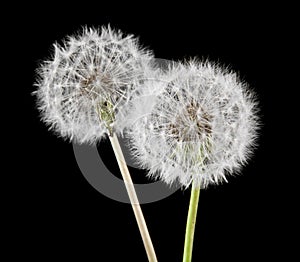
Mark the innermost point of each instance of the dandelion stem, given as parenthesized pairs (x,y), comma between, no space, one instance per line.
(191,223)
(133,198)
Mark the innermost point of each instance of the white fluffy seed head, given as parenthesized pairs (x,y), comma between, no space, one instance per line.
(88,81)
(201,125)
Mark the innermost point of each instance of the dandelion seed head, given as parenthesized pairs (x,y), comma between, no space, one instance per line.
(201,126)
(88,81)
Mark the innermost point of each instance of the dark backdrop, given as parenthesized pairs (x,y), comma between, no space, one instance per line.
(58,215)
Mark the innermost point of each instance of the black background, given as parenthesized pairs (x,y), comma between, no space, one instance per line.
(58,215)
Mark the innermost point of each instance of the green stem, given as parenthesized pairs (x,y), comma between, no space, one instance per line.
(191,223)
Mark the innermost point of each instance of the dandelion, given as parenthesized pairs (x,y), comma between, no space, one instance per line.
(83,90)
(200,127)
(84,87)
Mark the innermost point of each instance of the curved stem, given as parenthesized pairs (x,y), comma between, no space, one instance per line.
(191,223)
(133,198)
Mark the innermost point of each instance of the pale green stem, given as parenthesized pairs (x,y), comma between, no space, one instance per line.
(133,198)
(191,223)
(106,114)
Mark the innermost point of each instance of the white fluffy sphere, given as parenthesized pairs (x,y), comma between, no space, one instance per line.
(198,123)
(83,88)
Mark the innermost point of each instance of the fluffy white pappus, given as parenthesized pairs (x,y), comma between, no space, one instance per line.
(142,99)
(200,125)
(88,81)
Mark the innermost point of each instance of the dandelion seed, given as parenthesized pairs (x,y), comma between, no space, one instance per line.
(200,128)
(92,74)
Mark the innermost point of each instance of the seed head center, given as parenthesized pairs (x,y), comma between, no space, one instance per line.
(191,124)
(96,82)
